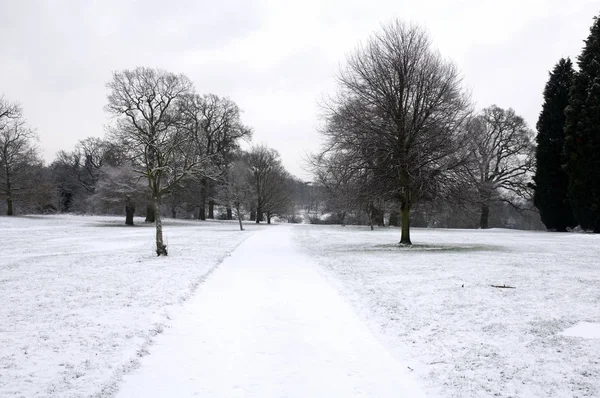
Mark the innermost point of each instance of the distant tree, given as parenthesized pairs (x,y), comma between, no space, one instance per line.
(582,128)
(215,123)
(272,193)
(151,126)
(18,155)
(237,190)
(76,172)
(120,186)
(339,177)
(398,114)
(502,148)
(551,180)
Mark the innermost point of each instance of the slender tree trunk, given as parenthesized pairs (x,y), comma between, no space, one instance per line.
(405,220)
(229,213)
(211,209)
(129,211)
(9,205)
(161,248)
(239,216)
(173,212)
(343,219)
(268,217)
(485,215)
(370,213)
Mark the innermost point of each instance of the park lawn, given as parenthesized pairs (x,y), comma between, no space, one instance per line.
(83,297)
(434,305)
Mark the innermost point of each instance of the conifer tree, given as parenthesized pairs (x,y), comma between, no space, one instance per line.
(582,142)
(551,181)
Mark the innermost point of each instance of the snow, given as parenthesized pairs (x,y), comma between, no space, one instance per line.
(294,311)
(83,297)
(476,340)
(267,324)
(586,330)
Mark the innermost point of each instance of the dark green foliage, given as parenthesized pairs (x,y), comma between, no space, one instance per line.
(551,181)
(582,142)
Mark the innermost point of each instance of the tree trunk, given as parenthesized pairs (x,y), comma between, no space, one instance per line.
(202,207)
(252,215)
(211,209)
(485,215)
(129,211)
(9,205)
(173,212)
(268,217)
(405,220)
(229,213)
(259,215)
(150,211)
(343,219)
(239,216)
(161,248)
(9,201)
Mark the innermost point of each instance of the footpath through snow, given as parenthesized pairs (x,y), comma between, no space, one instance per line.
(267,324)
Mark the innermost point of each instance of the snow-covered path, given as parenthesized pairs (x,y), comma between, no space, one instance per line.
(267,324)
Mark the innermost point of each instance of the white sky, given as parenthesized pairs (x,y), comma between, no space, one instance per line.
(276,59)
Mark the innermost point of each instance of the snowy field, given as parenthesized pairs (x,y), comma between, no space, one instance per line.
(433,305)
(84,300)
(82,297)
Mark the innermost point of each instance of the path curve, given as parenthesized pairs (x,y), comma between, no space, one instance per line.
(267,324)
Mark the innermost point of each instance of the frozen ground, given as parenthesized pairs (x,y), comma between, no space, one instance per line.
(434,305)
(81,297)
(266,324)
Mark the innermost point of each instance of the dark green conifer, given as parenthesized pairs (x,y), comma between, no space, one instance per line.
(582,142)
(551,181)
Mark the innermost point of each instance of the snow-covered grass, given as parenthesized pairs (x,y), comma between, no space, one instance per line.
(433,304)
(82,297)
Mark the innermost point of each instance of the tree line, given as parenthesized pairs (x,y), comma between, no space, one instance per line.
(166,147)
(402,145)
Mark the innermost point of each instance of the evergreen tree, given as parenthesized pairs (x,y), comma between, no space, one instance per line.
(551,181)
(582,142)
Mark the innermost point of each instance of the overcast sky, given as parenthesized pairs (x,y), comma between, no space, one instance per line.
(276,59)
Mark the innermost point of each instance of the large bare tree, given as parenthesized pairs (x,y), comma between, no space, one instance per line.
(18,154)
(502,162)
(150,124)
(398,114)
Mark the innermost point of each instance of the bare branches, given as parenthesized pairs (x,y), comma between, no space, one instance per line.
(17,153)
(502,160)
(397,116)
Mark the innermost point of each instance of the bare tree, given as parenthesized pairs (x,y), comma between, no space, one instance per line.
(117,186)
(217,128)
(502,150)
(237,190)
(151,126)
(17,154)
(268,181)
(398,115)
